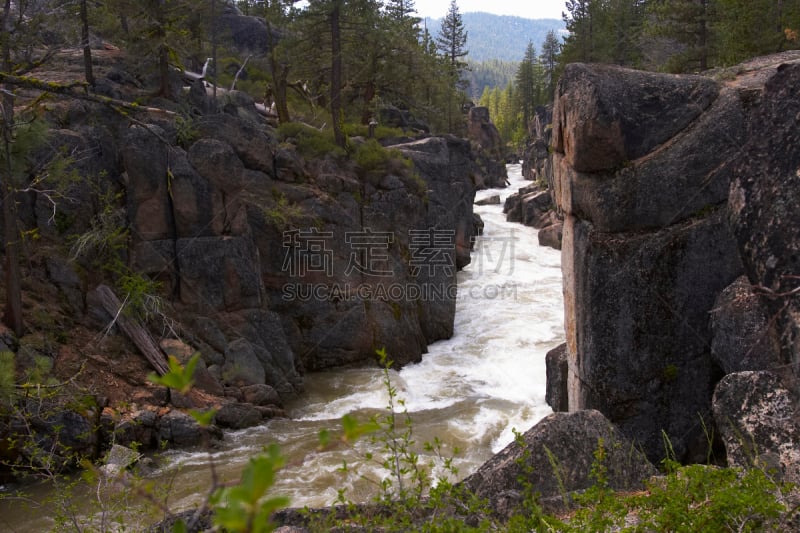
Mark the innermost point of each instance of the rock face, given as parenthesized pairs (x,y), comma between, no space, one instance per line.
(537,162)
(650,173)
(235,234)
(267,262)
(557,364)
(489,149)
(742,337)
(566,442)
(533,205)
(763,200)
(759,422)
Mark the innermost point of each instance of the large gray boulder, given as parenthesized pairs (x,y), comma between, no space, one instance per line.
(145,160)
(658,176)
(489,149)
(557,365)
(763,203)
(537,162)
(743,338)
(757,416)
(605,116)
(643,163)
(637,326)
(556,457)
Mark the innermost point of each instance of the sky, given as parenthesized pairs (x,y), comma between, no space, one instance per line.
(531,9)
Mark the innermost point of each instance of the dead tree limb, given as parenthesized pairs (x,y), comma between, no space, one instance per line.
(135,331)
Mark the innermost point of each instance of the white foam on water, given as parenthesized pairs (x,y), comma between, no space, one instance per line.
(473,390)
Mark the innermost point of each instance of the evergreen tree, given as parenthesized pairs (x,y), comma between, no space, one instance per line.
(452,40)
(579,44)
(400,10)
(688,23)
(754,27)
(549,61)
(528,84)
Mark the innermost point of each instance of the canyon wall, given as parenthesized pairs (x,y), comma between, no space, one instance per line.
(643,166)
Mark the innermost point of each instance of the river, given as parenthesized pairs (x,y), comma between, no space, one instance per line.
(471,391)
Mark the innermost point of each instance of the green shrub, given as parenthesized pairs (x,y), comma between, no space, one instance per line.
(283,213)
(310,142)
(7,378)
(373,160)
(687,499)
(381,132)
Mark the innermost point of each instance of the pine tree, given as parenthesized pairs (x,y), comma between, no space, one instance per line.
(551,49)
(527,84)
(579,44)
(400,10)
(451,41)
(688,23)
(754,27)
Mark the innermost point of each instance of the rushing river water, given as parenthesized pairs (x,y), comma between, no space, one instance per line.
(470,391)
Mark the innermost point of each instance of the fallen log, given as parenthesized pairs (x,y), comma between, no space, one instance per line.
(135,331)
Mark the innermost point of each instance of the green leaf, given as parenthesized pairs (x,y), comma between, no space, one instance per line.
(204,418)
(354,430)
(324,438)
(178,377)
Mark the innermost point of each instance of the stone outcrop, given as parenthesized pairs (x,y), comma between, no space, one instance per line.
(267,263)
(557,365)
(742,337)
(760,423)
(219,235)
(763,202)
(489,149)
(533,205)
(643,164)
(537,161)
(556,458)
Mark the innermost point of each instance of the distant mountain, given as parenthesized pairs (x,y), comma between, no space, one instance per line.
(500,36)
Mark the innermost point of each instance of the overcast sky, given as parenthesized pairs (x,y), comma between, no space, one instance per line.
(531,9)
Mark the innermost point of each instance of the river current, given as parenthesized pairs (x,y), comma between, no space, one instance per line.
(471,391)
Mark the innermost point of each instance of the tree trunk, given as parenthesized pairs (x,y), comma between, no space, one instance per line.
(280,76)
(87,49)
(214,44)
(12,316)
(137,333)
(336,75)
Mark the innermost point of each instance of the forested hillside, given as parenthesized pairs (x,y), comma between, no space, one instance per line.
(502,37)
(679,36)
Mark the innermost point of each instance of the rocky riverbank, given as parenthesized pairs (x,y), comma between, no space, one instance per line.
(223,236)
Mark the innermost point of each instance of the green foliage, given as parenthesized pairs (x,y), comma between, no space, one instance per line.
(283,213)
(185,131)
(310,142)
(489,74)
(677,35)
(29,133)
(452,39)
(381,132)
(141,294)
(247,506)
(106,238)
(7,378)
(179,378)
(690,498)
(373,160)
